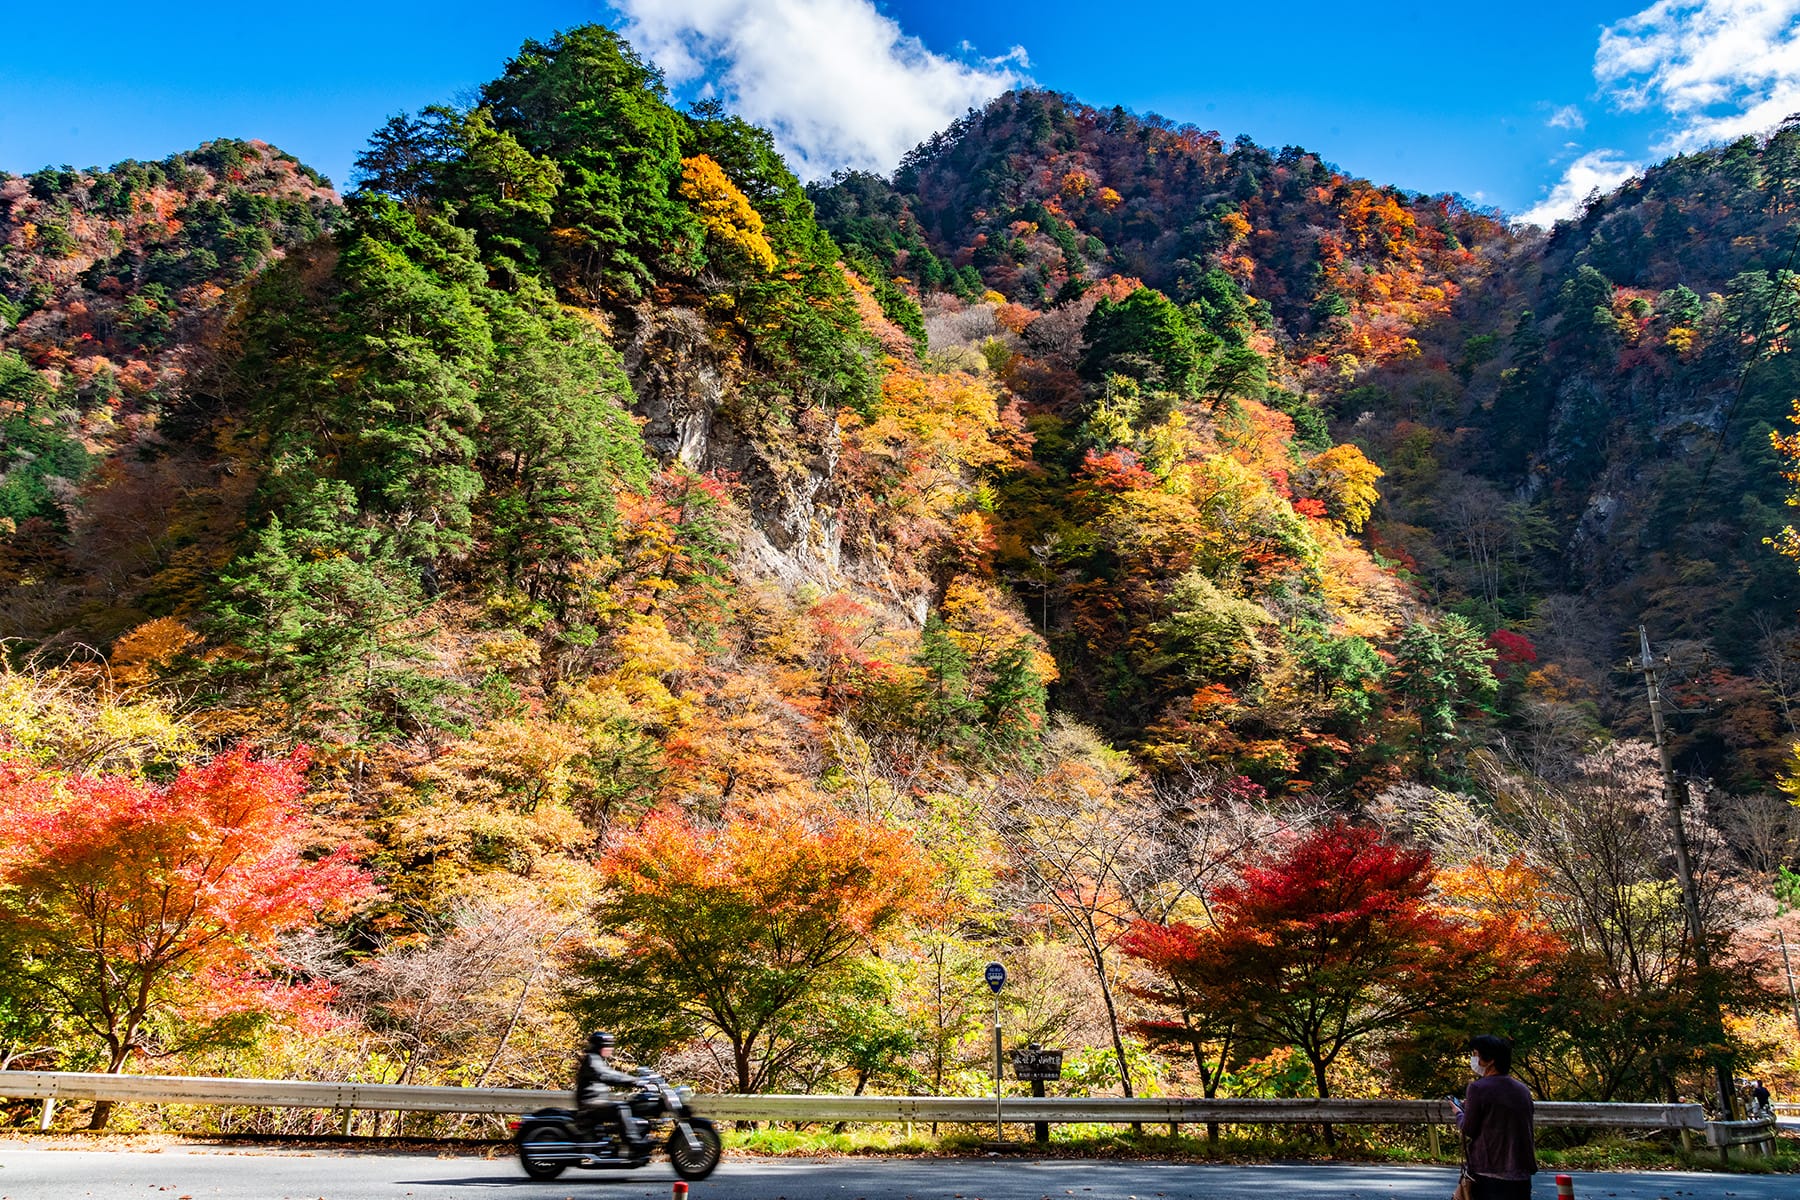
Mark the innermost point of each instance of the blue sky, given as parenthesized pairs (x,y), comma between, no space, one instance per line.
(1525,107)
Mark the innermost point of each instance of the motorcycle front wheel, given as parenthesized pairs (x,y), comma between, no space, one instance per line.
(691,1163)
(536,1167)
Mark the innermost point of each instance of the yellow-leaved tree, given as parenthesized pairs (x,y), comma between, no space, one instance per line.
(724,211)
(1344,479)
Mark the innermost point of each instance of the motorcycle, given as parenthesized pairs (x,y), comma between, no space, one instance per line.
(551,1140)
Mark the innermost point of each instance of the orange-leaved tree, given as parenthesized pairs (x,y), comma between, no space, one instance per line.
(734,931)
(149,914)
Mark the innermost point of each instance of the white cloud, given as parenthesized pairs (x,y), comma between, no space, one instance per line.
(1718,68)
(1567,117)
(1601,170)
(838,83)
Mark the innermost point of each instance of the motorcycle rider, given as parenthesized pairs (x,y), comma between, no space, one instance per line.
(595,1099)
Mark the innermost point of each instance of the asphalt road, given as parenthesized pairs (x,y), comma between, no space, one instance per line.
(206,1173)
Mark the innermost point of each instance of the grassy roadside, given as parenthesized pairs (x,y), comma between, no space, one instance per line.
(1236,1145)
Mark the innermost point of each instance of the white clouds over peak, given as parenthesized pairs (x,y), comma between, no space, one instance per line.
(1718,68)
(1711,69)
(838,83)
(1600,170)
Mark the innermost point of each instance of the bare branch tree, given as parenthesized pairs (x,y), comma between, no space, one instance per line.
(429,997)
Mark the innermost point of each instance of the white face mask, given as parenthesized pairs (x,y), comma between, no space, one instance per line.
(1475,1064)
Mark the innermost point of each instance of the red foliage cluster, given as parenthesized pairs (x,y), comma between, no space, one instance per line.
(1329,939)
(166,902)
(1513,648)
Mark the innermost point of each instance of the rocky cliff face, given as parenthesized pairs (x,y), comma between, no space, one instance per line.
(699,413)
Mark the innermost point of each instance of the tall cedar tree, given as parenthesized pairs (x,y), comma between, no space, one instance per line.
(587,102)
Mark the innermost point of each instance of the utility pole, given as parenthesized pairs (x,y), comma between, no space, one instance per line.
(1675,795)
(1788,967)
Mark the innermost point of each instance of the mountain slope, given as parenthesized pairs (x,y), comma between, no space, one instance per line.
(1588,448)
(1567,449)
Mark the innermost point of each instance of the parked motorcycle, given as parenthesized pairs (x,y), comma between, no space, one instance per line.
(553,1139)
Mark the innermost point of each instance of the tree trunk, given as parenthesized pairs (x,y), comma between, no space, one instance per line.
(938,1051)
(1210,1088)
(1324,1092)
(114,1066)
(1209,1079)
(740,1057)
(1112,1023)
(506,1034)
(862,1081)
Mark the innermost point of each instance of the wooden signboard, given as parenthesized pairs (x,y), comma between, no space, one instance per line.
(1036,1064)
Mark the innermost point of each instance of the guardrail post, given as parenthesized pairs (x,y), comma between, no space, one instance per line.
(48,1114)
(349,1115)
(1434,1141)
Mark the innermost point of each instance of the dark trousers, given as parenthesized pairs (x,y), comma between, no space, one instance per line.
(1489,1188)
(616,1118)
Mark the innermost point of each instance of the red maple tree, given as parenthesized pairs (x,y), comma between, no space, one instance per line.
(150,914)
(1332,939)
(1196,1011)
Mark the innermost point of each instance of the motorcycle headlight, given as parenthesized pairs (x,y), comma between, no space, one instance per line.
(685,1094)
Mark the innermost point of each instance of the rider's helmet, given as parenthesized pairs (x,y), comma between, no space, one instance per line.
(599,1041)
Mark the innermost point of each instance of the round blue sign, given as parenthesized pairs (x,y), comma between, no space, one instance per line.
(995,976)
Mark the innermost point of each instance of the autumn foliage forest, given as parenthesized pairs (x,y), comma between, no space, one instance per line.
(580,577)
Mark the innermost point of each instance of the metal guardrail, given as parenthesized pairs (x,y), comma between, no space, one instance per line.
(51,1086)
(1174,1110)
(1740,1133)
(270,1093)
(1759,1135)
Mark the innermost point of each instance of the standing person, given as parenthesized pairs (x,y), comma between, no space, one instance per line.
(1761,1103)
(1495,1119)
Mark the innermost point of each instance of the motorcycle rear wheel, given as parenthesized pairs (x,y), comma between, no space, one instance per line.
(691,1164)
(538,1168)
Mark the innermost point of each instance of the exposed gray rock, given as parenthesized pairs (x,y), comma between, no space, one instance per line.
(679,384)
(786,464)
